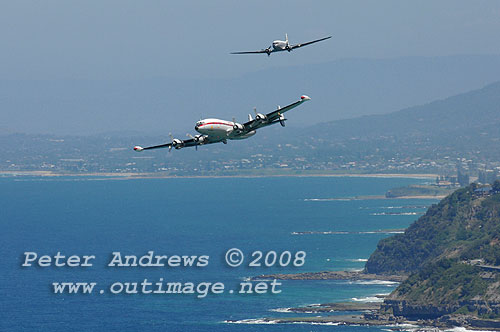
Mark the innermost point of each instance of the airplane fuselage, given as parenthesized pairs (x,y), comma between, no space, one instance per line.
(279,45)
(220,129)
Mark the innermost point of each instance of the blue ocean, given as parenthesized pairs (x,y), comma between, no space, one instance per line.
(189,217)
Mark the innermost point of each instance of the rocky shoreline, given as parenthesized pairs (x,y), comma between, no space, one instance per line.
(371,313)
(332,275)
(467,322)
(336,307)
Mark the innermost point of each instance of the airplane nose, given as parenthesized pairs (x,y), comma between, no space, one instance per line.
(196,127)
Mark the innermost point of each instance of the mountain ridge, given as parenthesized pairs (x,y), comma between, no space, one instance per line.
(339,89)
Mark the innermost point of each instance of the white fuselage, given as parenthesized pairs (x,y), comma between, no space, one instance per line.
(279,45)
(220,129)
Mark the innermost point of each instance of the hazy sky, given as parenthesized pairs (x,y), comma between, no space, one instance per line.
(142,39)
(157,66)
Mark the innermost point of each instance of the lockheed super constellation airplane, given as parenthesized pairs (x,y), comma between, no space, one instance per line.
(281,45)
(215,130)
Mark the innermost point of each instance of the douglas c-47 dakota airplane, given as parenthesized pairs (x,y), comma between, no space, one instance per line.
(215,130)
(281,45)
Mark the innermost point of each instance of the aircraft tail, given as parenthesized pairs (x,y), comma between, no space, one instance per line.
(286,38)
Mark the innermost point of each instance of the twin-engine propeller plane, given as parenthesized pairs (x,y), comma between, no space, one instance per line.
(215,130)
(281,45)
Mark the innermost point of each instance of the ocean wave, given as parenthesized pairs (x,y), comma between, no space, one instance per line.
(414,328)
(285,310)
(251,321)
(403,327)
(395,213)
(277,321)
(319,232)
(368,299)
(383,232)
(260,279)
(380,231)
(289,310)
(375,282)
(328,199)
(464,329)
(357,259)
(394,207)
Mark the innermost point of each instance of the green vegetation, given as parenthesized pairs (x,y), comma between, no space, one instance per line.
(418,190)
(446,281)
(452,257)
(461,226)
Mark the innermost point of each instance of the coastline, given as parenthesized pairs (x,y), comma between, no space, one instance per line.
(332,275)
(373,319)
(364,313)
(257,175)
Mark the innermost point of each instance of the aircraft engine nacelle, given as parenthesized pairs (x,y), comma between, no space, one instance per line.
(177,143)
(238,126)
(260,117)
(199,138)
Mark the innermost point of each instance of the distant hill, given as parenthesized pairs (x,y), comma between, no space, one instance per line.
(462,226)
(430,138)
(466,125)
(474,110)
(340,89)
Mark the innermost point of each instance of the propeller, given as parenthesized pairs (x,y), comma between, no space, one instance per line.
(237,126)
(172,139)
(199,139)
(281,119)
(176,143)
(258,116)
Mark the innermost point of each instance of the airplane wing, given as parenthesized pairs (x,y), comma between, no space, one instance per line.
(179,143)
(140,148)
(251,52)
(309,43)
(273,117)
(268,51)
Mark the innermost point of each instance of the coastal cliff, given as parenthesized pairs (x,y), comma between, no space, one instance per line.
(452,258)
(447,263)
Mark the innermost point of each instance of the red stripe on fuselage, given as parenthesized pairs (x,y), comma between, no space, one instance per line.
(215,123)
